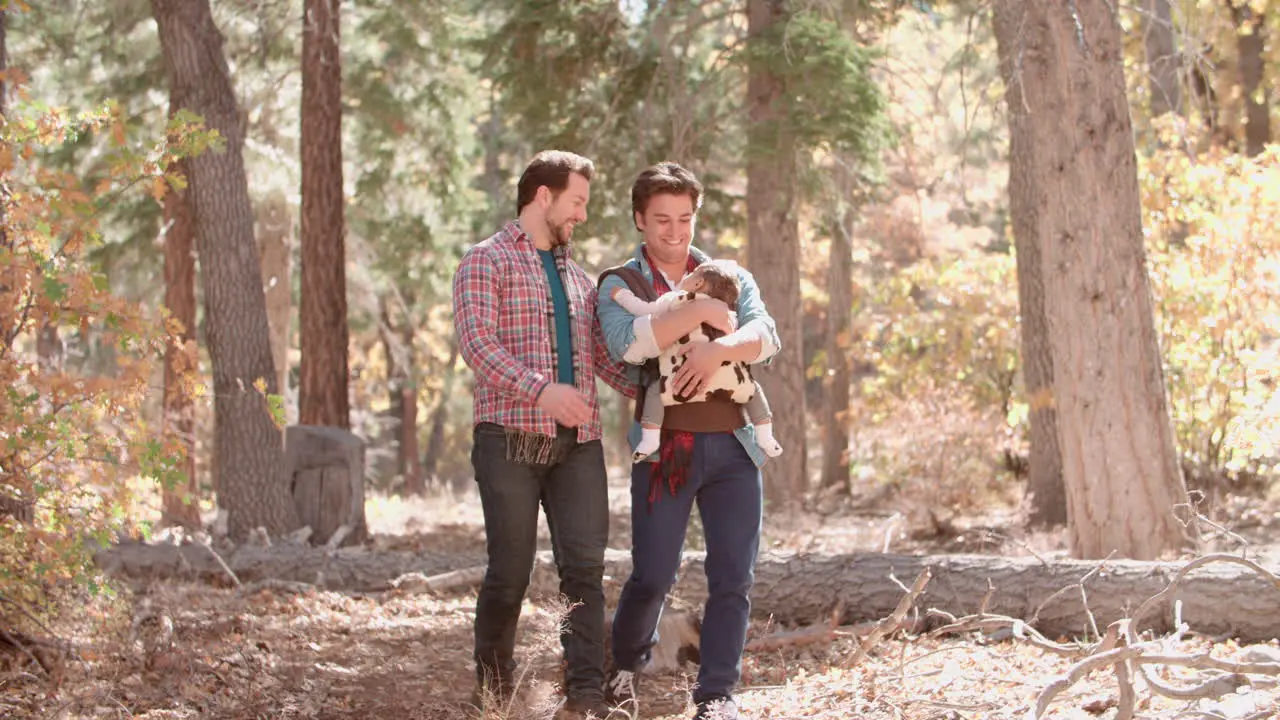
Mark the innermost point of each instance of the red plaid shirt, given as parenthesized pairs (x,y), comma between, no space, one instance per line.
(501,300)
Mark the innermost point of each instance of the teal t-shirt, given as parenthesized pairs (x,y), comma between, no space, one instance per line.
(564,334)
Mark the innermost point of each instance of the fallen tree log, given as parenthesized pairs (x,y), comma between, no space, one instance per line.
(791,588)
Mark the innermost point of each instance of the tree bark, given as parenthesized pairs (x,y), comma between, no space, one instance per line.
(248,450)
(799,589)
(4,66)
(773,251)
(402,389)
(838,380)
(1251,42)
(440,415)
(19,508)
(409,467)
(322,395)
(1164,70)
(275,232)
(180,504)
(50,350)
(1046,494)
(1119,462)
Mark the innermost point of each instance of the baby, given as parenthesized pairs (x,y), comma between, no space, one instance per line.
(731,381)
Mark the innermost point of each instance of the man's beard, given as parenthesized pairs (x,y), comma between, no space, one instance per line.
(560,234)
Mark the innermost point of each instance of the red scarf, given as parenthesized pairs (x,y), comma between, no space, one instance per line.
(676,451)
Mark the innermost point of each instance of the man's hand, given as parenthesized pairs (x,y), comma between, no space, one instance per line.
(565,404)
(716,314)
(701,360)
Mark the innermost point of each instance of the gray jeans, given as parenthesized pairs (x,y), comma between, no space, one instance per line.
(572,489)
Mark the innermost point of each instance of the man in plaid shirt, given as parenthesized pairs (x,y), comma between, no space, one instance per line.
(525,318)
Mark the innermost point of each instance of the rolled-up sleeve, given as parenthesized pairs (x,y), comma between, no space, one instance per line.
(755,319)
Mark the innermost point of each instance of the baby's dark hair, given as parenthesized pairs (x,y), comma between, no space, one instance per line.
(719,283)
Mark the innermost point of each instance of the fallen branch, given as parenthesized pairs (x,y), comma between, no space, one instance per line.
(222,564)
(1108,655)
(466,577)
(42,653)
(1122,650)
(335,540)
(811,635)
(894,621)
(792,638)
(1017,628)
(285,586)
(1182,573)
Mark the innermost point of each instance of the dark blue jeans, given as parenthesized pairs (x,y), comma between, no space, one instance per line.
(573,491)
(726,485)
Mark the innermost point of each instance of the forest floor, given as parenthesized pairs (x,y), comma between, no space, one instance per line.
(175,650)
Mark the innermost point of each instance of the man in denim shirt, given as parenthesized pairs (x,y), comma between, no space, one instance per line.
(708,453)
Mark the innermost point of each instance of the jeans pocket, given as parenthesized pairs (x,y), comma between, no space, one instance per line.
(488,441)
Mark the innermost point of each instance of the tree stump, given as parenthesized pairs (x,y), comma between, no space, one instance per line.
(325,467)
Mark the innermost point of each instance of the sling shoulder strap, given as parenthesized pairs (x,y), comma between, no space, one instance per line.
(634,279)
(644,290)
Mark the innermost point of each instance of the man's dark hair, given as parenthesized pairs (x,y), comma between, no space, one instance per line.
(665,178)
(551,168)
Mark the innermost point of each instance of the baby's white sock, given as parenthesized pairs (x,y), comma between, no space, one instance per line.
(650,439)
(766,441)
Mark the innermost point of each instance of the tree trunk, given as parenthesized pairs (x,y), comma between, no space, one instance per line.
(773,251)
(1251,41)
(1046,495)
(494,179)
(838,380)
(1163,64)
(1219,598)
(440,415)
(4,67)
(402,390)
(49,346)
(20,508)
(248,450)
(409,467)
(1119,462)
(275,249)
(180,504)
(322,395)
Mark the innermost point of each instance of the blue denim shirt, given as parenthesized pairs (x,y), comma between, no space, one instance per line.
(619,333)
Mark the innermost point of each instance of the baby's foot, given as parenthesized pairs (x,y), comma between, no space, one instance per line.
(650,439)
(766,441)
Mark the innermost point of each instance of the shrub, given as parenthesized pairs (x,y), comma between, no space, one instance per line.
(71,442)
(1214,259)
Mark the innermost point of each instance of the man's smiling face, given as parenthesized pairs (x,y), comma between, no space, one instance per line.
(568,209)
(667,227)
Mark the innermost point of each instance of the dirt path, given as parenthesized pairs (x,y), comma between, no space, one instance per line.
(330,656)
(187,651)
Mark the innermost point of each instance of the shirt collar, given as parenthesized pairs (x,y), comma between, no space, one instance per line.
(515,232)
(698,256)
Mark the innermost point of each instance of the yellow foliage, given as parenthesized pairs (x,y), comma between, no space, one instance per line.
(947,327)
(69,442)
(949,324)
(1214,259)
